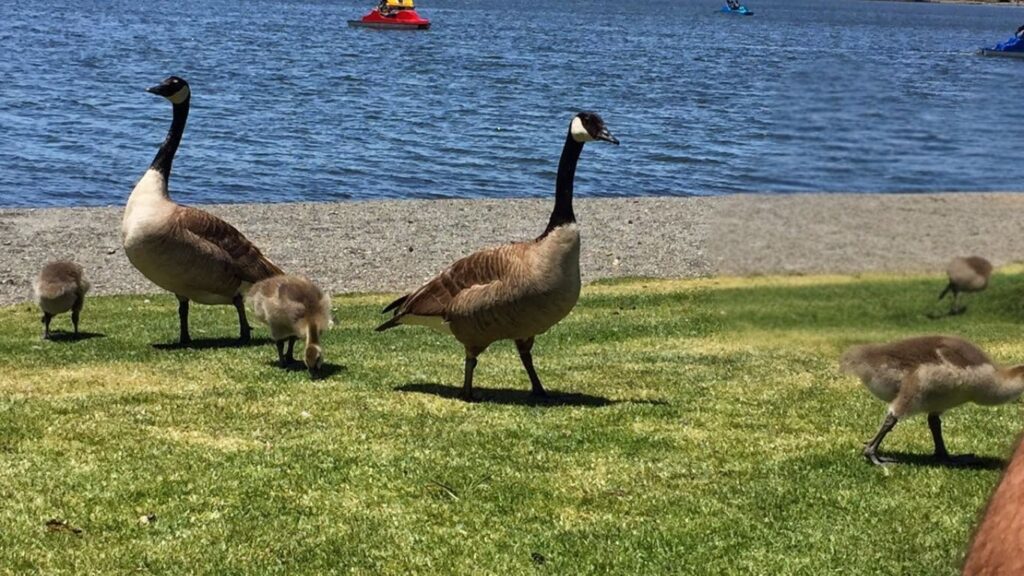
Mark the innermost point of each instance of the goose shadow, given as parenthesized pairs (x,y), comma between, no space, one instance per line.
(929,461)
(518,397)
(71,337)
(327,370)
(213,343)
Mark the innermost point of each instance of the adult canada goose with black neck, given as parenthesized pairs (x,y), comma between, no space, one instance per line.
(186,251)
(514,291)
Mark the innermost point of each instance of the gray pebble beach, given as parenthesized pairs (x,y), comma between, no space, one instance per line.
(390,246)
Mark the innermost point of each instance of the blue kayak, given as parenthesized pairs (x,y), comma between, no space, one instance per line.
(741,11)
(1012,48)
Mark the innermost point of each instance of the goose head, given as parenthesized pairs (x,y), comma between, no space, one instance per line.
(173,88)
(314,360)
(588,127)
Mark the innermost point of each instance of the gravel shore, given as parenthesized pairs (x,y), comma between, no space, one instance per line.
(394,245)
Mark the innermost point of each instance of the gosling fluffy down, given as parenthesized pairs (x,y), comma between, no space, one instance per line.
(931,375)
(60,286)
(293,307)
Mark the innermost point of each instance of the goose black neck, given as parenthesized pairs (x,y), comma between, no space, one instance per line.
(165,156)
(562,213)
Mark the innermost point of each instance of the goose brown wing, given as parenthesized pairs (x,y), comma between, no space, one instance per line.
(226,243)
(476,272)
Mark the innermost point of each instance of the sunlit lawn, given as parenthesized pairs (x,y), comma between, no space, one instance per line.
(697,427)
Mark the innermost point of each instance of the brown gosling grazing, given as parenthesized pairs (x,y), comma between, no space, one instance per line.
(999,538)
(61,286)
(293,306)
(970,274)
(929,374)
(514,291)
(184,250)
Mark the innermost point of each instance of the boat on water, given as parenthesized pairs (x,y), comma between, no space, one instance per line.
(393,15)
(740,10)
(1012,48)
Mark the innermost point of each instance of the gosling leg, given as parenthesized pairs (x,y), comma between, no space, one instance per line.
(941,454)
(46,325)
(871,449)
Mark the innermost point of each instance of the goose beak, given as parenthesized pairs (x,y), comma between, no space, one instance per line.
(607,136)
(154,89)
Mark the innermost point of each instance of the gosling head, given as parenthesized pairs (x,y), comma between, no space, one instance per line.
(173,88)
(314,360)
(588,127)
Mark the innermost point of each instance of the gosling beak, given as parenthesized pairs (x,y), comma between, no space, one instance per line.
(607,136)
(315,373)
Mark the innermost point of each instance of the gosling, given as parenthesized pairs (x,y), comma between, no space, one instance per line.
(970,274)
(293,306)
(61,286)
(929,374)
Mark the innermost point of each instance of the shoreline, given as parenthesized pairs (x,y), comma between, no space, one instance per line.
(394,245)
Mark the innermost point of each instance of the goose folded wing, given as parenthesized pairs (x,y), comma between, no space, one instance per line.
(474,277)
(227,243)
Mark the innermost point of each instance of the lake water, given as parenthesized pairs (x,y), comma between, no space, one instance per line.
(291,104)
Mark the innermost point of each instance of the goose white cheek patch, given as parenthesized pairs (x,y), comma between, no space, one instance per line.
(579,133)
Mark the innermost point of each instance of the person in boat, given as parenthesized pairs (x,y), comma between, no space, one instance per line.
(733,4)
(1020,32)
(384,9)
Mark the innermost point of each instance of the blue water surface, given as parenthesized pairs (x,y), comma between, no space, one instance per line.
(291,104)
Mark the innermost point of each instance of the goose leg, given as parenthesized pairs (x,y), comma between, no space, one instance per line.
(467,382)
(245,332)
(525,354)
(183,339)
(871,449)
(46,325)
(76,310)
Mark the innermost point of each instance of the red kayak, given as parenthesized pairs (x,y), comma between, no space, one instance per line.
(397,20)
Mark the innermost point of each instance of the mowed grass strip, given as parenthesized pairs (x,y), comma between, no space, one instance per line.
(697,427)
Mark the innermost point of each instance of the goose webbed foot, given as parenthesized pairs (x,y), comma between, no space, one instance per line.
(957,310)
(874,458)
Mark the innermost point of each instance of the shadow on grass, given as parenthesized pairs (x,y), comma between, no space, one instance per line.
(518,397)
(61,336)
(213,343)
(327,370)
(929,461)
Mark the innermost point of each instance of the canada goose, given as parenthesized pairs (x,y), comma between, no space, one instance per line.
(514,291)
(293,306)
(61,286)
(968,274)
(929,374)
(184,250)
(999,538)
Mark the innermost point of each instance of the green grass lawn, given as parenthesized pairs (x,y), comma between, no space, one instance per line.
(699,427)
